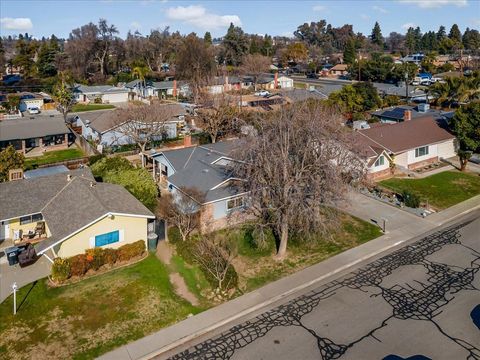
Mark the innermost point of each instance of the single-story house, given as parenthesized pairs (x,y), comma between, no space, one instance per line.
(339,70)
(409,145)
(105,126)
(160,89)
(30,101)
(413,93)
(105,94)
(296,95)
(206,169)
(404,112)
(67,213)
(221,84)
(274,81)
(41,132)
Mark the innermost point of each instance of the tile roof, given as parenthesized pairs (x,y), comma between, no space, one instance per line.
(32,127)
(407,135)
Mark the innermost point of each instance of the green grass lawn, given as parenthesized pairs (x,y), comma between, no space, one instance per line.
(441,190)
(90,107)
(91,317)
(51,157)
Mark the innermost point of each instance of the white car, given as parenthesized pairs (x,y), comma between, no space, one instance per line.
(34,110)
(262,93)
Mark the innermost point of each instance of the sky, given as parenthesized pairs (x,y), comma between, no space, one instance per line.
(45,17)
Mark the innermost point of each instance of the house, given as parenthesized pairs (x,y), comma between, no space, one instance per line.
(266,103)
(412,93)
(413,58)
(30,101)
(274,81)
(406,145)
(105,126)
(161,89)
(67,213)
(221,84)
(205,168)
(404,112)
(104,94)
(339,70)
(36,133)
(296,95)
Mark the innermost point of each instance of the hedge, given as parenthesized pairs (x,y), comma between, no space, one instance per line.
(94,259)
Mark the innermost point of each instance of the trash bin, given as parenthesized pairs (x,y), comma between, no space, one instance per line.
(12,255)
(152,239)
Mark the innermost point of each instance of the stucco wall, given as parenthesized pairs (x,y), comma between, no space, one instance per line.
(446,149)
(374,169)
(115,98)
(432,153)
(14,225)
(132,228)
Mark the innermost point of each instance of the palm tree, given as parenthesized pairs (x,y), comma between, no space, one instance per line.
(139,72)
(449,91)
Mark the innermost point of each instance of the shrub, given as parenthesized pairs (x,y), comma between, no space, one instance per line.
(60,269)
(79,265)
(110,256)
(95,258)
(129,251)
(95,158)
(174,235)
(410,199)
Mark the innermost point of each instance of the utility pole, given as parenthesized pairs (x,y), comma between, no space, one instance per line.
(14,288)
(406,85)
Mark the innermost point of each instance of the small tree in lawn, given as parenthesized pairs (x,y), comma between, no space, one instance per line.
(63,96)
(143,123)
(466,127)
(182,210)
(217,115)
(10,159)
(254,65)
(297,167)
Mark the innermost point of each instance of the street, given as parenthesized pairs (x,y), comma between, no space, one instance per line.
(421,301)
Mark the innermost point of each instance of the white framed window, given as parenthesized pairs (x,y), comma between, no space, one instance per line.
(380,161)
(235,203)
(421,151)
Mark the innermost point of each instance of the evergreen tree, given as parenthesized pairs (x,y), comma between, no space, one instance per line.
(46,59)
(207,38)
(455,34)
(376,35)
(267,46)
(410,40)
(441,33)
(349,54)
(235,44)
(471,39)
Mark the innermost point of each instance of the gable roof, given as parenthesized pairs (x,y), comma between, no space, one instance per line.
(339,67)
(407,135)
(32,127)
(99,89)
(398,112)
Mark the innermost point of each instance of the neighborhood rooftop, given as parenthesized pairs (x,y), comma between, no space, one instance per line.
(26,128)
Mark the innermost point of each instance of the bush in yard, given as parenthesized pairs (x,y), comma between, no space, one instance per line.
(60,269)
(79,265)
(95,158)
(95,257)
(410,199)
(129,251)
(174,235)
(110,256)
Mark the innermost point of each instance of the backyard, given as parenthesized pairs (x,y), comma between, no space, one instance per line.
(51,157)
(91,107)
(441,190)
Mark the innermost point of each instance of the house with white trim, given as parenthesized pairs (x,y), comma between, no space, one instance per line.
(103,94)
(207,169)
(64,214)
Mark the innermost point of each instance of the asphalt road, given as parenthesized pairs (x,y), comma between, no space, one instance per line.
(421,301)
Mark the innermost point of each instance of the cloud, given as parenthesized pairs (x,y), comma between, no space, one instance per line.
(408,26)
(135,25)
(380,9)
(364,16)
(319,8)
(429,4)
(16,23)
(198,16)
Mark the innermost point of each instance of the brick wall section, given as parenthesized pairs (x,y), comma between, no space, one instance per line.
(380,175)
(209,224)
(423,163)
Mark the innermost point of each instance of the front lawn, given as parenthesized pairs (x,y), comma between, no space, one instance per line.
(51,157)
(441,190)
(91,107)
(91,317)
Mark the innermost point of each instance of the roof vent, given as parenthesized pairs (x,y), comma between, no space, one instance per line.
(69,177)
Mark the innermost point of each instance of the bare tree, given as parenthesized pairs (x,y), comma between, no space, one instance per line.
(217,115)
(182,209)
(216,259)
(105,38)
(254,65)
(143,123)
(296,168)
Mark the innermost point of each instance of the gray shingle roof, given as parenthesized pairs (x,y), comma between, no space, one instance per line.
(99,89)
(101,120)
(26,128)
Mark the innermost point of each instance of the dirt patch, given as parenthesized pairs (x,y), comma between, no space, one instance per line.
(164,252)
(181,288)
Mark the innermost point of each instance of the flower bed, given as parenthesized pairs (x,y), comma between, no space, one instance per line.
(94,261)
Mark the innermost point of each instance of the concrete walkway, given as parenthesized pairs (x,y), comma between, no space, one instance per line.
(403,228)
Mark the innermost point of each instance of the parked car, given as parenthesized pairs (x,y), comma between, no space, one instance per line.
(475,159)
(34,110)
(312,76)
(262,93)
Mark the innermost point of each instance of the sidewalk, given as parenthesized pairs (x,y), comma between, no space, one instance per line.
(404,229)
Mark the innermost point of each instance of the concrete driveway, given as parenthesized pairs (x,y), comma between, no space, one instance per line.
(22,276)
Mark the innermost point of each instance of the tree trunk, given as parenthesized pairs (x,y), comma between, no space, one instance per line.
(213,138)
(142,149)
(282,247)
(463,163)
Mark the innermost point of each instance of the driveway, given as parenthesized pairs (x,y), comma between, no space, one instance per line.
(22,276)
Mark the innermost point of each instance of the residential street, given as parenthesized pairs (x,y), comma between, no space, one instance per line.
(422,299)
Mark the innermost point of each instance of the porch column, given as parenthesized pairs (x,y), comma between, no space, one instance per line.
(66,139)
(154,169)
(23,147)
(40,143)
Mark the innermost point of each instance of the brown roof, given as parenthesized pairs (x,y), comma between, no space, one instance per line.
(340,67)
(408,135)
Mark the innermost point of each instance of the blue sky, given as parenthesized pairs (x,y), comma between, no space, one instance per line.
(42,18)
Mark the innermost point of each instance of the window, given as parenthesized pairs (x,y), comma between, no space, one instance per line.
(30,218)
(164,170)
(421,151)
(108,238)
(380,161)
(235,203)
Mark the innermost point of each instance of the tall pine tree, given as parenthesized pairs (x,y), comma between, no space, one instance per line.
(349,54)
(376,35)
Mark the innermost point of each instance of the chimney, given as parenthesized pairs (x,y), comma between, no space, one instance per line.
(69,177)
(407,115)
(187,140)
(275,79)
(174,88)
